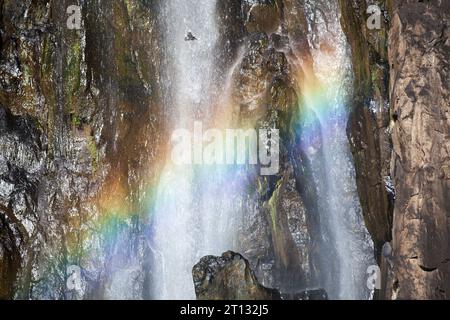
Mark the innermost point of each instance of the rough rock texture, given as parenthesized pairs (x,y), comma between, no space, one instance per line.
(70,103)
(262,16)
(280,233)
(400,141)
(278,242)
(231,29)
(369,123)
(419,55)
(74,190)
(316,294)
(230,277)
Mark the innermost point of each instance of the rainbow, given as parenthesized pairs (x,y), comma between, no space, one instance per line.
(320,113)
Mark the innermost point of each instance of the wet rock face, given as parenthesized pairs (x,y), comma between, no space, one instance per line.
(9,255)
(228,277)
(420,45)
(21,168)
(268,243)
(70,103)
(369,121)
(400,141)
(230,22)
(279,232)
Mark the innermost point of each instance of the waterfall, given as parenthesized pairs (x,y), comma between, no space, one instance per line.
(350,246)
(195,210)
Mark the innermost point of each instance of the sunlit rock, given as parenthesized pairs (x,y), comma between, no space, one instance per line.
(263,16)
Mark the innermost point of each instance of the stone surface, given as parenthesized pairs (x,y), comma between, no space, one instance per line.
(262,16)
(70,103)
(369,122)
(280,217)
(317,294)
(419,55)
(228,277)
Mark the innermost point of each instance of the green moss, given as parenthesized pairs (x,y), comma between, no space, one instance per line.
(76,121)
(72,76)
(26,73)
(273,206)
(262,185)
(129,6)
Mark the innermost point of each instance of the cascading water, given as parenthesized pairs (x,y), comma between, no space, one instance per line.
(193,215)
(197,208)
(340,211)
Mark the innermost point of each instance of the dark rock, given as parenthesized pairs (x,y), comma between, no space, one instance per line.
(230,277)
(262,16)
(369,121)
(279,42)
(317,294)
(190,37)
(70,103)
(230,20)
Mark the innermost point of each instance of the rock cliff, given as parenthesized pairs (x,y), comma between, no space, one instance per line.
(419,56)
(83,132)
(70,103)
(399,134)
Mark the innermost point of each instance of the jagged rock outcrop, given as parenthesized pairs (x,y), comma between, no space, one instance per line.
(230,277)
(272,102)
(419,55)
(281,234)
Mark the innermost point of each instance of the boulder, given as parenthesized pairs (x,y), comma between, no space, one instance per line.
(230,277)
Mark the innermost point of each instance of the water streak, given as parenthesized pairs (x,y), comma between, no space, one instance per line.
(196,212)
(350,245)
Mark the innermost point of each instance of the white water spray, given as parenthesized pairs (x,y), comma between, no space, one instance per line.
(341,213)
(195,210)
